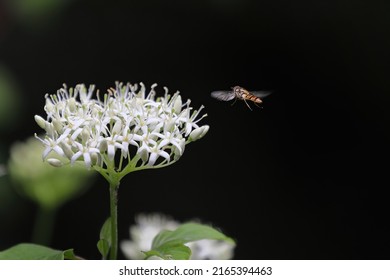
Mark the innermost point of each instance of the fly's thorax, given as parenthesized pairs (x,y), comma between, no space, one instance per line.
(239,92)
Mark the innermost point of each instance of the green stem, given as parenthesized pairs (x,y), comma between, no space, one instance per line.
(114,219)
(43,226)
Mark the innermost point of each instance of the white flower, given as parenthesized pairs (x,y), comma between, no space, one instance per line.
(142,234)
(207,249)
(148,226)
(129,129)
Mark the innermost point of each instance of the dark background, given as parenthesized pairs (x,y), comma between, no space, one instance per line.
(305,177)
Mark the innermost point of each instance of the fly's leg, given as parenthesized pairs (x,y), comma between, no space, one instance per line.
(247,104)
(258,105)
(235,99)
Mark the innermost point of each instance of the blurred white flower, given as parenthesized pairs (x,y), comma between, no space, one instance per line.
(143,232)
(47,186)
(149,225)
(127,130)
(207,249)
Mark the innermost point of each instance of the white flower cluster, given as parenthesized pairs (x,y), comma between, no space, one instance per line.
(127,130)
(149,225)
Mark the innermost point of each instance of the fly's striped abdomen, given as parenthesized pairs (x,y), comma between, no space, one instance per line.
(251,97)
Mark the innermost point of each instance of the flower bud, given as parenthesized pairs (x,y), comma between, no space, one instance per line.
(169,125)
(95,159)
(40,121)
(177,105)
(57,125)
(143,153)
(49,106)
(103,146)
(54,162)
(198,133)
(205,130)
(85,134)
(72,104)
(49,127)
(117,127)
(82,92)
(178,153)
(67,150)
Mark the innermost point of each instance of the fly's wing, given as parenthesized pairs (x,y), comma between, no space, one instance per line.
(223,95)
(261,94)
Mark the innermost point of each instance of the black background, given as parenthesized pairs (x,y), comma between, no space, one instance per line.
(305,177)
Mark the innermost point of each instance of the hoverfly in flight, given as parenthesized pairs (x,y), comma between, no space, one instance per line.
(238,92)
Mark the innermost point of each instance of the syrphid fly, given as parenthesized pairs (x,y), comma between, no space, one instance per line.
(238,92)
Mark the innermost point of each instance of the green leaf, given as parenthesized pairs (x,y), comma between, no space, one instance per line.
(28,251)
(189,232)
(103,248)
(170,244)
(69,255)
(171,252)
(104,243)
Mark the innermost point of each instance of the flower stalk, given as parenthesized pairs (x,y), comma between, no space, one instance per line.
(43,225)
(114,187)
